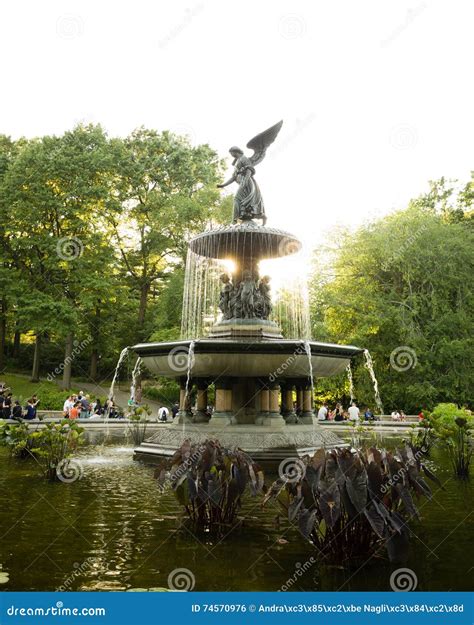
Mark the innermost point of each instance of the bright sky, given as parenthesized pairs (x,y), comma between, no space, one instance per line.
(376,97)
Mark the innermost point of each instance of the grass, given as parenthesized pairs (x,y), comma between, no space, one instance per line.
(23,389)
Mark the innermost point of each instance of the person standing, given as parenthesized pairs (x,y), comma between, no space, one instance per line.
(354,412)
(68,404)
(7,406)
(85,407)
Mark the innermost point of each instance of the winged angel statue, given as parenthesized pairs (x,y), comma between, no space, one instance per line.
(248,201)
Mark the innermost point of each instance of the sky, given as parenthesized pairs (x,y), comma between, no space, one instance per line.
(376,97)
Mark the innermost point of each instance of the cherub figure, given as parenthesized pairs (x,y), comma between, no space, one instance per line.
(265,301)
(248,202)
(246,295)
(225,296)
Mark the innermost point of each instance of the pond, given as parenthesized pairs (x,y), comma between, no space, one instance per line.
(114,530)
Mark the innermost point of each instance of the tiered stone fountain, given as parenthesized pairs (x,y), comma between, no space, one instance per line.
(263,382)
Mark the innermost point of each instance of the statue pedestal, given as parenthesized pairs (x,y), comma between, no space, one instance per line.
(251,329)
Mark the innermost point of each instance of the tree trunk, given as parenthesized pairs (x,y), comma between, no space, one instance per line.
(144,290)
(3,332)
(95,329)
(16,344)
(36,359)
(68,361)
(93,364)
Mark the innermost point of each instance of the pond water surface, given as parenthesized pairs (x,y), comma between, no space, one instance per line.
(113,530)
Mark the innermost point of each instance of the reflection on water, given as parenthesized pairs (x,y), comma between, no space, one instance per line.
(113,530)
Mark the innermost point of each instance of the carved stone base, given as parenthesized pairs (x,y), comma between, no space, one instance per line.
(306,418)
(253,329)
(200,417)
(263,442)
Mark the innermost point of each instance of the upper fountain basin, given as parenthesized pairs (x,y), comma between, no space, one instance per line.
(246,239)
(274,358)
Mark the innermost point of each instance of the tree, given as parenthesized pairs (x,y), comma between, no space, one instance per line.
(405,292)
(51,202)
(166,191)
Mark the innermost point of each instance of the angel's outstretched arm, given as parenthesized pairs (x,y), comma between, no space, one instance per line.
(226,184)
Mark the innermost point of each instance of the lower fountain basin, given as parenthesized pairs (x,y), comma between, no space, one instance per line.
(216,357)
(268,445)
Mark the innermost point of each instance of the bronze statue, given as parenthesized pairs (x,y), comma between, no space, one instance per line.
(225,297)
(264,298)
(246,294)
(248,202)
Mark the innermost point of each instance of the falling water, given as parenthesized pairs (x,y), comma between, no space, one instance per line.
(307,349)
(370,366)
(135,373)
(188,378)
(190,366)
(123,353)
(291,310)
(202,287)
(351,381)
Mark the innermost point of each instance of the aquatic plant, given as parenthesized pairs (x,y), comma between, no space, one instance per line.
(453,427)
(50,447)
(17,437)
(209,481)
(350,503)
(422,435)
(138,423)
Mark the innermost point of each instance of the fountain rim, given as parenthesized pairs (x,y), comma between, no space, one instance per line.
(209,346)
(284,243)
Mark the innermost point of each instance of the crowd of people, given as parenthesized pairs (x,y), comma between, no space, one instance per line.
(80,406)
(398,415)
(165,414)
(76,406)
(338,413)
(12,409)
(353,413)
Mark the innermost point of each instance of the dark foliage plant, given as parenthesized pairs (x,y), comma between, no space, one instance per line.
(209,481)
(349,504)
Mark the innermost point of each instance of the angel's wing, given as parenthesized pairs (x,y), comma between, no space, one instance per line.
(260,143)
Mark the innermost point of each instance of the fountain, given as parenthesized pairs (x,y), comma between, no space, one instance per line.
(255,371)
